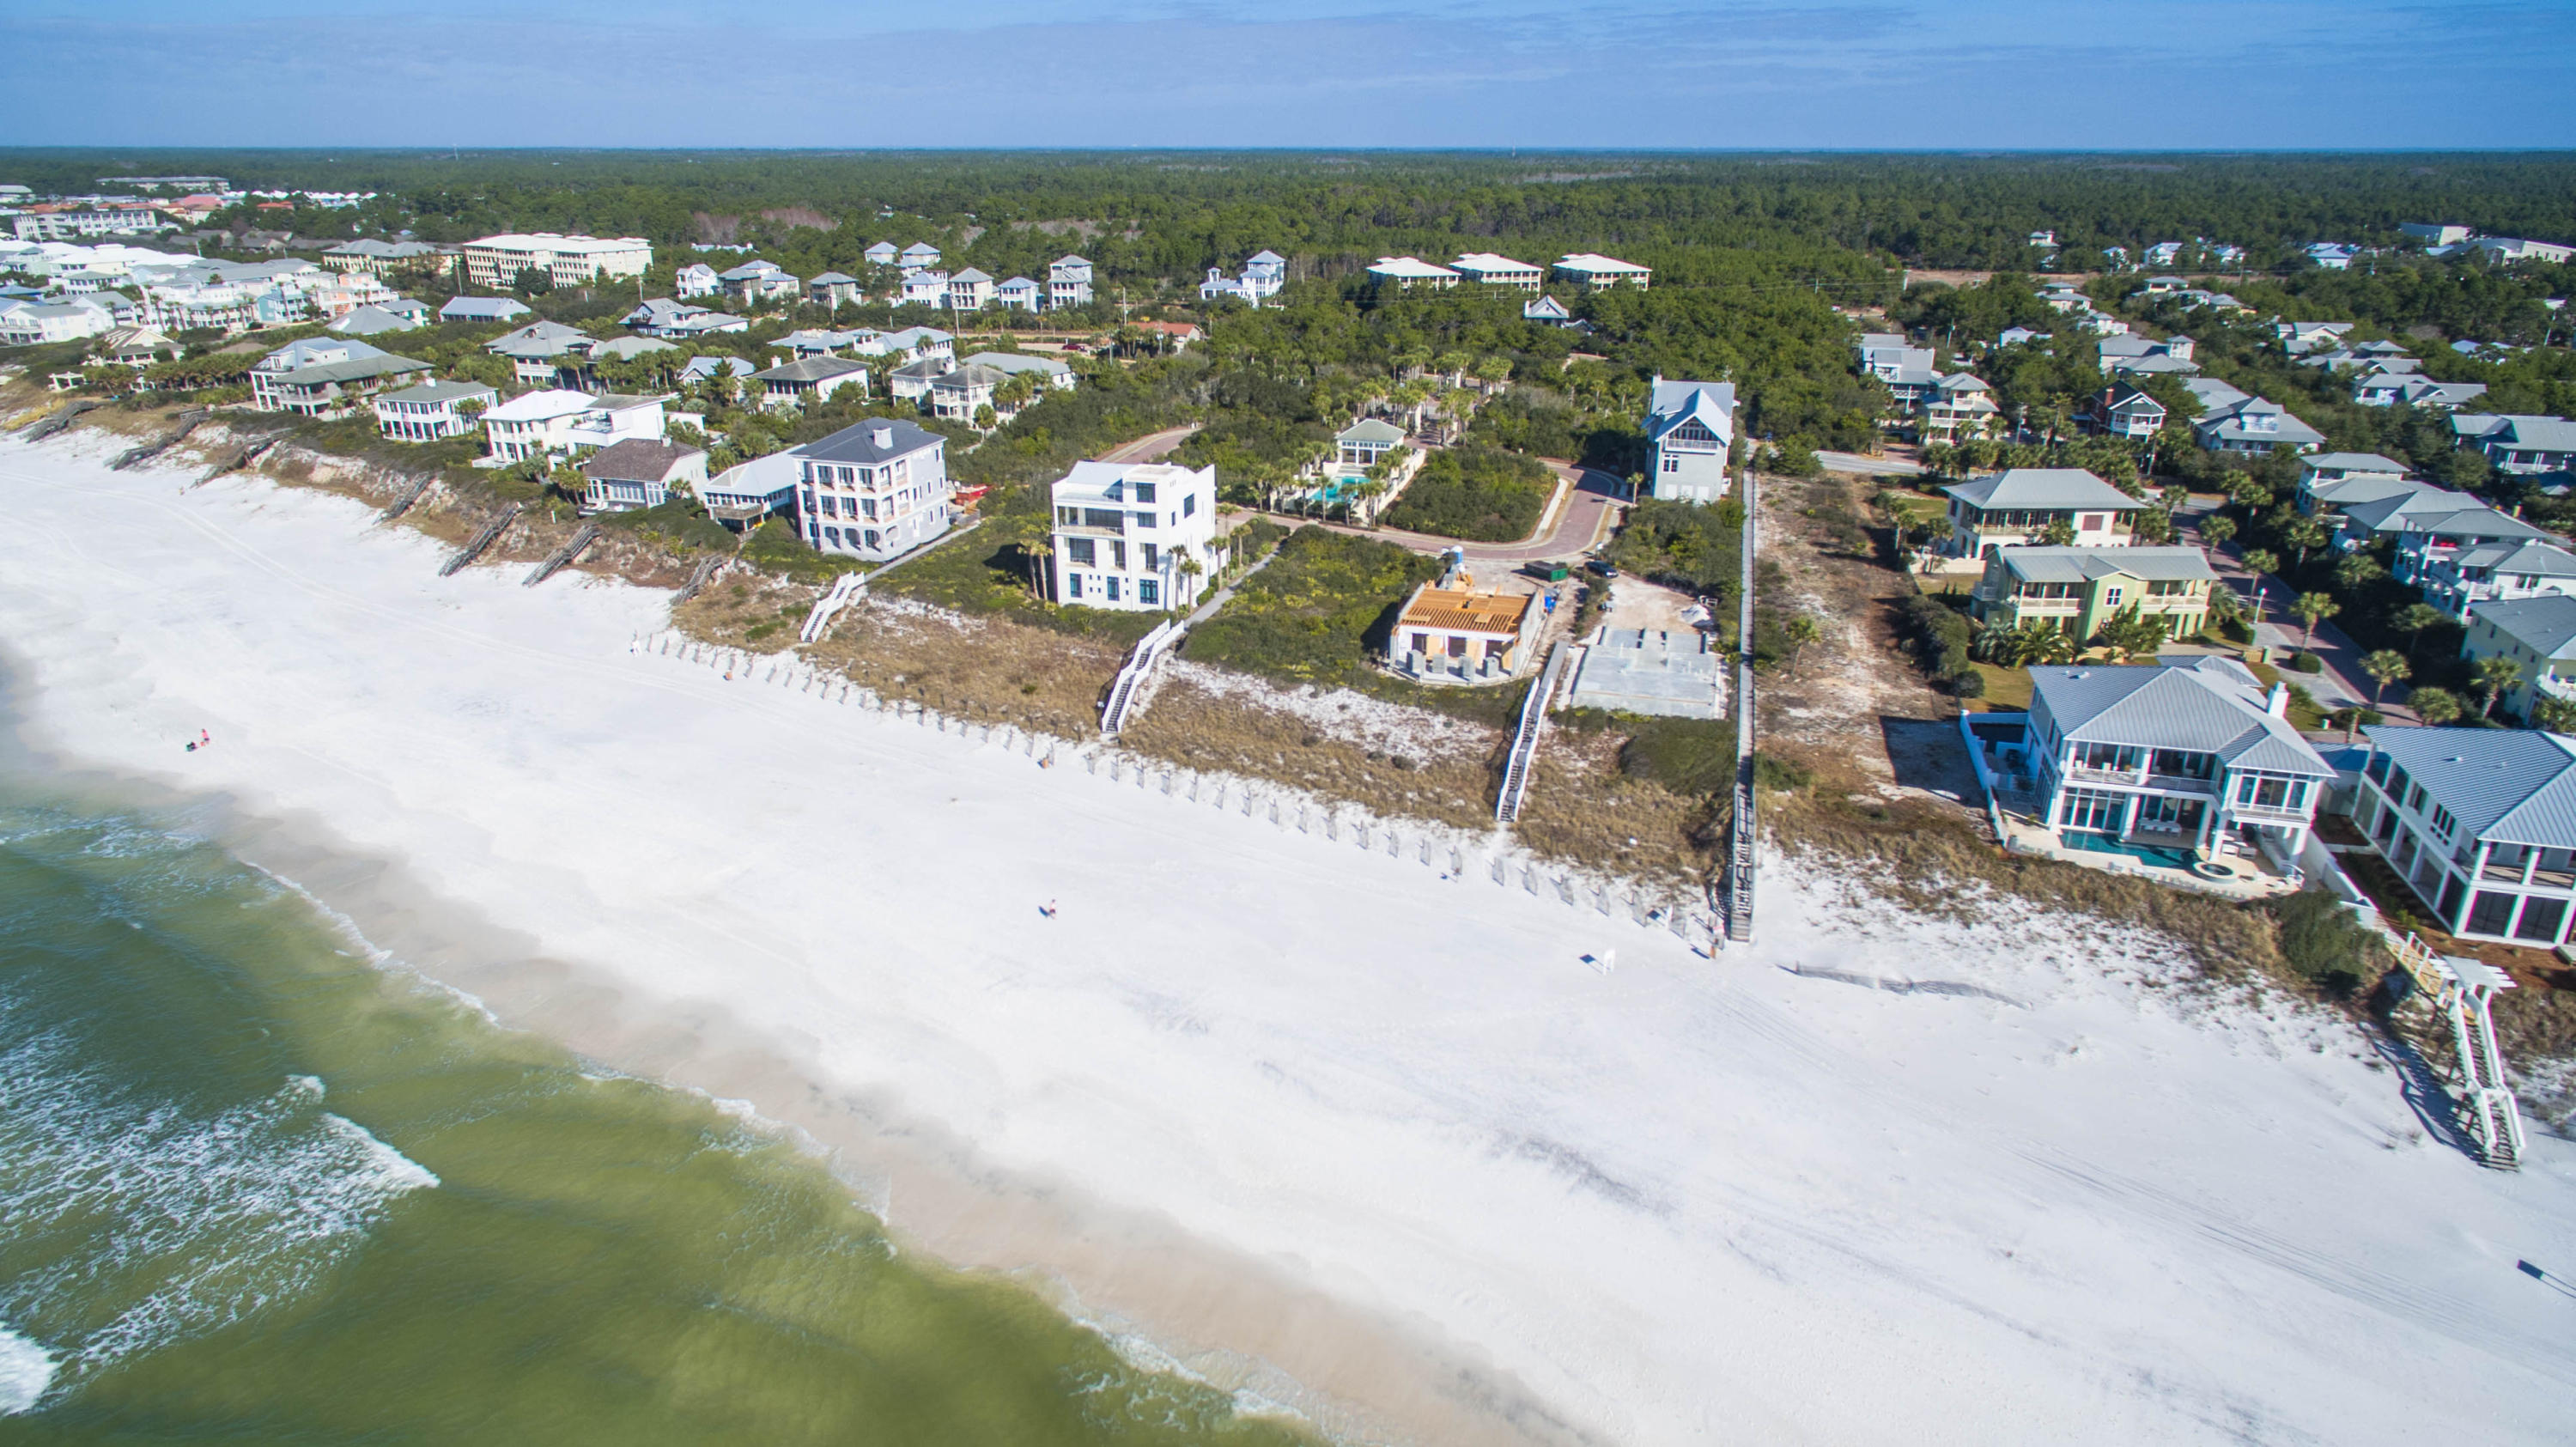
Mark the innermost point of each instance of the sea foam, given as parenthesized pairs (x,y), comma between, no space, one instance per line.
(26,1369)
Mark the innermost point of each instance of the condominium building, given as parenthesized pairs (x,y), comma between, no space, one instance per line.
(1492,270)
(495,262)
(1595,270)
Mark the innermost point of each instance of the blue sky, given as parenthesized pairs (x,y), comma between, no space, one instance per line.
(2367,74)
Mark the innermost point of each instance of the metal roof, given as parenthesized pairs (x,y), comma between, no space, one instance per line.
(2210,705)
(2546,626)
(2520,556)
(1370,429)
(2043,487)
(857,442)
(2076,565)
(2513,785)
(811,369)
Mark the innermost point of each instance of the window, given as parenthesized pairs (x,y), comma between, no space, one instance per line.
(832,536)
(872,537)
(1144,491)
(2090,522)
(1073,585)
(2541,919)
(1148,591)
(1153,557)
(2094,809)
(1672,464)
(2491,912)
(1189,504)
(1144,520)
(1082,552)
(1113,588)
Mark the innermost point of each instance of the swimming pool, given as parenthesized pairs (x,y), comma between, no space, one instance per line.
(2151,853)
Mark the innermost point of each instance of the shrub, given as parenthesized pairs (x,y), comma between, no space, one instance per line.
(2324,942)
(1940,635)
(1476,493)
(1315,614)
(1968,683)
(2307,663)
(1773,772)
(1691,757)
(1689,545)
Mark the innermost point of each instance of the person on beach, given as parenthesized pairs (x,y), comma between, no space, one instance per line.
(1047,909)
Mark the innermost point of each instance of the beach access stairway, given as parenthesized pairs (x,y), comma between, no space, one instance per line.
(239,458)
(414,488)
(2463,992)
(479,543)
(699,576)
(1150,650)
(562,558)
(145,452)
(1737,907)
(845,588)
(47,426)
(1525,737)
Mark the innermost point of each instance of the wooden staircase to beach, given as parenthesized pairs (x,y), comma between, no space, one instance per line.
(1119,709)
(2463,992)
(476,546)
(1525,736)
(562,558)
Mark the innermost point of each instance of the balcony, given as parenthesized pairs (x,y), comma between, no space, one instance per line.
(2268,813)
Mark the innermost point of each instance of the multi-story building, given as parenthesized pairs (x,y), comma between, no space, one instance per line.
(919,256)
(925,288)
(1451,631)
(1019,294)
(2121,410)
(790,384)
(324,376)
(2018,507)
(2193,756)
(494,263)
(638,473)
(2518,444)
(1492,270)
(695,280)
(958,394)
(832,289)
(757,283)
(1404,273)
(2472,579)
(1589,269)
(1068,283)
(1888,355)
(969,291)
(1961,408)
(31,324)
(1263,275)
(2254,424)
(1690,428)
(563,423)
(2539,635)
(2480,823)
(2077,590)
(433,410)
(2430,538)
(389,258)
(875,489)
(1133,535)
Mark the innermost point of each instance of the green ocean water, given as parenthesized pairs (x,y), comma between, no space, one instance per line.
(255,1189)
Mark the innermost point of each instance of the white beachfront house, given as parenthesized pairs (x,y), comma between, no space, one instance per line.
(1068,283)
(565,422)
(2469,580)
(2519,444)
(637,473)
(2254,424)
(875,490)
(2018,506)
(2192,756)
(1492,270)
(1404,273)
(432,410)
(2538,636)
(1133,535)
(1593,270)
(324,376)
(2480,823)
(538,351)
(1690,426)
(832,288)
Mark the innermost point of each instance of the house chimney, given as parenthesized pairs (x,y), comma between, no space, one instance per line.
(2278,703)
(881,436)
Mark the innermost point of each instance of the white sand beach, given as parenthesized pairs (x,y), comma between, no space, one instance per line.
(1371,1143)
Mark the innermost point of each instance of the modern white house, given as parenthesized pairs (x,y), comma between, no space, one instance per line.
(695,279)
(2431,537)
(1491,270)
(1590,269)
(433,410)
(1262,277)
(1054,373)
(2480,823)
(636,473)
(747,494)
(482,309)
(2506,249)
(2254,425)
(875,490)
(757,283)
(1888,356)
(2193,757)
(1068,283)
(563,423)
(1690,427)
(2322,470)
(925,288)
(1134,535)
(35,323)
(1365,443)
(1019,294)
(2017,507)
(2408,389)
(957,394)
(919,256)
(494,263)
(1961,407)
(325,376)
(882,253)
(1404,273)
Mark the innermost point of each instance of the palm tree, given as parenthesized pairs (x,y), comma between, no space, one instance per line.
(2261,561)
(2435,706)
(1037,550)
(2557,715)
(2305,534)
(1801,631)
(2495,675)
(2413,619)
(2216,529)
(2358,571)
(2313,608)
(1189,568)
(2385,666)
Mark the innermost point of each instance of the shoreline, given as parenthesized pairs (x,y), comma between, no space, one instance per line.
(1254,1095)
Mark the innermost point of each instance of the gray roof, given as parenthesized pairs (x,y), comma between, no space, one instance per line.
(2152,365)
(2355,493)
(857,442)
(2213,392)
(2211,705)
(622,347)
(2478,521)
(2554,434)
(367,321)
(2514,785)
(967,378)
(482,308)
(2353,462)
(2546,626)
(538,340)
(2479,424)
(1675,402)
(1013,362)
(708,366)
(1370,429)
(831,278)
(2394,510)
(2054,488)
(970,275)
(2522,557)
(637,459)
(2076,565)
(2228,421)
(810,369)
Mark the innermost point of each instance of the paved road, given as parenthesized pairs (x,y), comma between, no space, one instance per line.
(1591,506)
(2342,683)
(1152,447)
